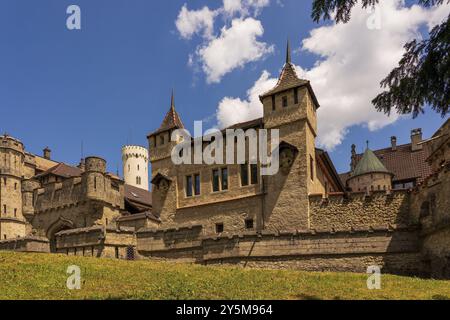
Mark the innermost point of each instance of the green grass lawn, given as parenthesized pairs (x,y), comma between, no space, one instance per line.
(43,276)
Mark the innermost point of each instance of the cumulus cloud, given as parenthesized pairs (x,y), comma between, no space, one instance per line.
(353,59)
(244,7)
(236,44)
(234,110)
(190,22)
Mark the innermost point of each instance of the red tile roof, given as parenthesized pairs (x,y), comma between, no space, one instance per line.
(62,170)
(402,162)
(139,195)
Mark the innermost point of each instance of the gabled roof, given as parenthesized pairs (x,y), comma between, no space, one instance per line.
(404,163)
(62,170)
(159,176)
(369,163)
(329,166)
(172,119)
(138,195)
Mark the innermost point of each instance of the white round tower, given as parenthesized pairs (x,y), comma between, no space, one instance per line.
(135,166)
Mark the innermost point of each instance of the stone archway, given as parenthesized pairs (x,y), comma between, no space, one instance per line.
(59,225)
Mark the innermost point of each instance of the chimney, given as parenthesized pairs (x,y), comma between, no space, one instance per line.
(47,153)
(416,138)
(394,143)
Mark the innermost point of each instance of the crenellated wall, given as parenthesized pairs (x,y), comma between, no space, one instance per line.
(397,251)
(358,210)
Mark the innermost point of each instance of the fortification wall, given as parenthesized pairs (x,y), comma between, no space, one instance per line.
(356,210)
(395,250)
(27,244)
(96,241)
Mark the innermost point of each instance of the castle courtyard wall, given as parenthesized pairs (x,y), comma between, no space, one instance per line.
(357,210)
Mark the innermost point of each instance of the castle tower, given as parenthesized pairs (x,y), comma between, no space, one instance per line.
(94,175)
(135,166)
(12,157)
(164,172)
(290,107)
(370,174)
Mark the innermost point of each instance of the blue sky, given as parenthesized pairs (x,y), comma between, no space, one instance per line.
(109,83)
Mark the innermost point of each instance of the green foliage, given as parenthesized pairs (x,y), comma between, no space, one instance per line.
(422,77)
(43,276)
(423,74)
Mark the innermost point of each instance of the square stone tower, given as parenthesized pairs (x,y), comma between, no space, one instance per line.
(291,107)
(164,172)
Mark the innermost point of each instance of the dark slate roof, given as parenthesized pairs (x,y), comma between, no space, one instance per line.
(247,124)
(62,170)
(139,195)
(324,156)
(172,119)
(369,163)
(288,79)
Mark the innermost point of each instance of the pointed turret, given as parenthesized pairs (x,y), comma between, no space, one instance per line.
(369,163)
(370,174)
(172,119)
(289,79)
(288,52)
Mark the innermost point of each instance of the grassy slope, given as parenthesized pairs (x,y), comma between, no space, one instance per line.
(43,276)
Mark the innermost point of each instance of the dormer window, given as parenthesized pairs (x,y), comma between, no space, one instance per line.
(285,102)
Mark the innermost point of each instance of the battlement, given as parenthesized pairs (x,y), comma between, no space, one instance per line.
(8,142)
(134,151)
(356,210)
(95,164)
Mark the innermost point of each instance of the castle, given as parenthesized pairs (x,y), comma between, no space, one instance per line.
(392,209)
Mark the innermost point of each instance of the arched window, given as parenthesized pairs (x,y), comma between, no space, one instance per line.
(138,180)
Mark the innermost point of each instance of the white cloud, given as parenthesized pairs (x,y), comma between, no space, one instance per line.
(234,110)
(244,7)
(234,47)
(353,61)
(190,22)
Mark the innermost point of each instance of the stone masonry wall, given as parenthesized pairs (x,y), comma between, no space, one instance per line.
(359,211)
(397,251)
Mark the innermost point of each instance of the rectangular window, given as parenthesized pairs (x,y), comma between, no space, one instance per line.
(224,179)
(254,173)
(197,184)
(296,95)
(311,163)
(188,186)
(215,180)
(219,227)
(285,102)
(273,103)
(249,224)
(244,175)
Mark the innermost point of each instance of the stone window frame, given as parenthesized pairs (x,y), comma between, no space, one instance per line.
(193,188)
(220,171)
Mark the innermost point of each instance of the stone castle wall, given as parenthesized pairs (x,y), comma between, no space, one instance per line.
(397,251)
(357,210)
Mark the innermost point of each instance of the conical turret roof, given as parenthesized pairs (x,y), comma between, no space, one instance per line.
(172,119)
(369,163)
(289,79)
